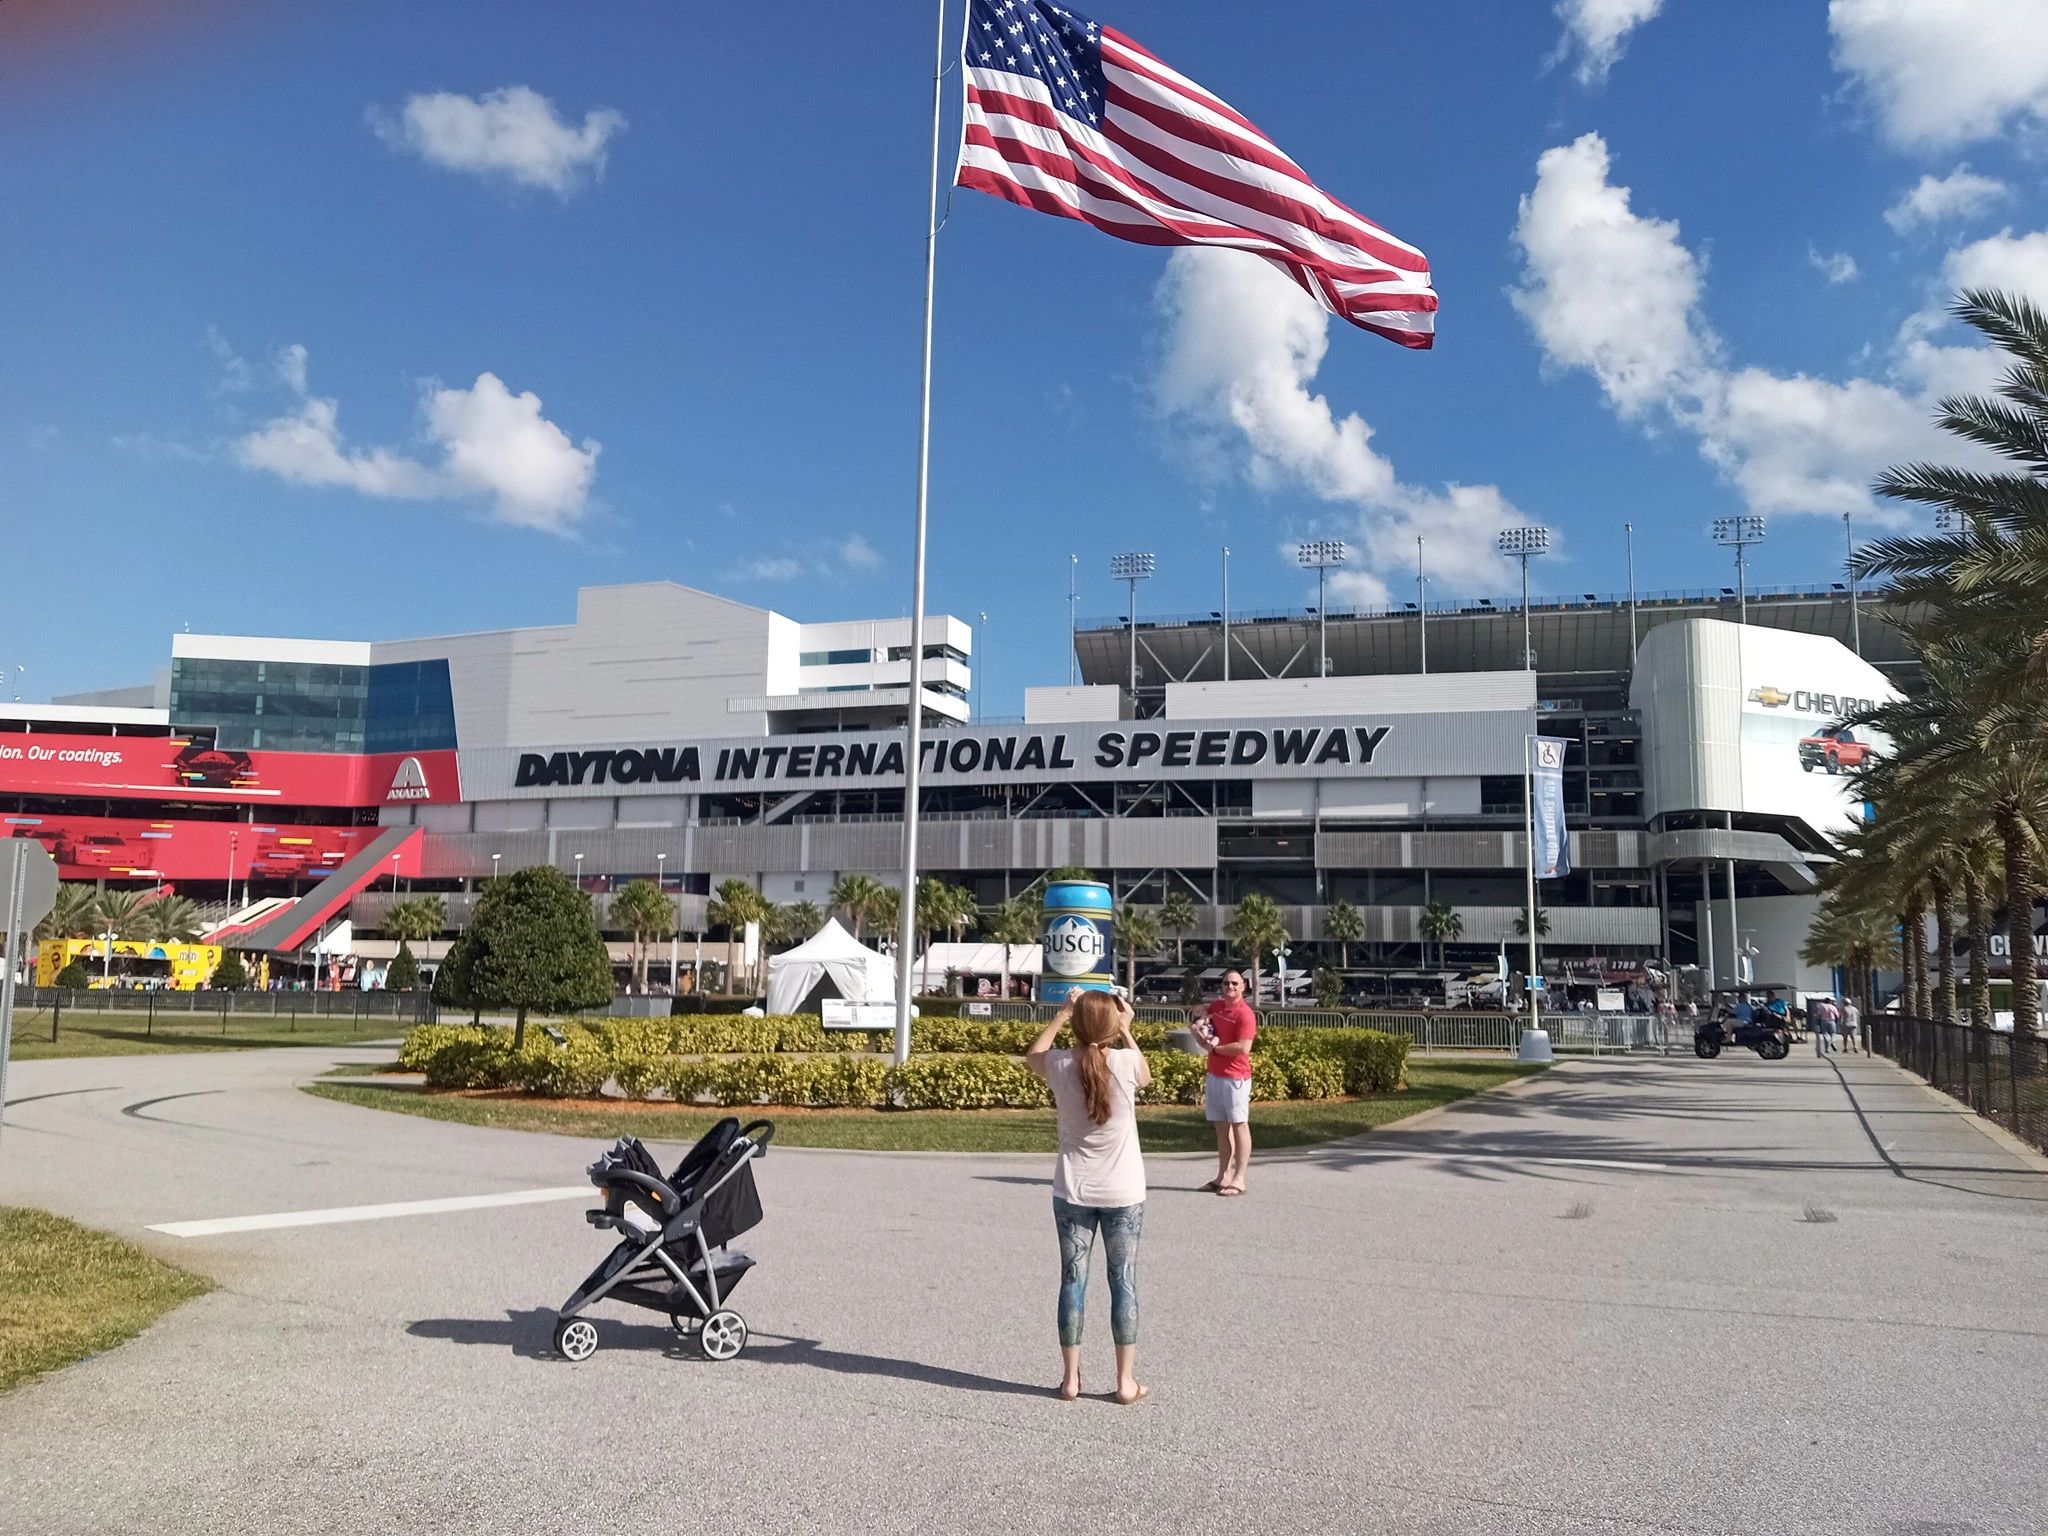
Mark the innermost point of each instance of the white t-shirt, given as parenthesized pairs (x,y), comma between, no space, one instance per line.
(1098,1165)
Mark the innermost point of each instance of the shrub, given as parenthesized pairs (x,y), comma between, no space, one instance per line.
(967,1081)
(231,975)
(1313,1077)
(477,1057)
(1177,1078)
(404,973)
(423,1040)
(74,977)
(768,1078)
(1269,1078)
(575,1069)
(1372,1060)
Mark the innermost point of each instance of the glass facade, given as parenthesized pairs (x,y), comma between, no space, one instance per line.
(299,706)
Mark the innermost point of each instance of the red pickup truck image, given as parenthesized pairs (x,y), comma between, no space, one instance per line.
(1833,748)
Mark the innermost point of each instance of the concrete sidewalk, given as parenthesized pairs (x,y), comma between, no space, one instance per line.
(1664,1295)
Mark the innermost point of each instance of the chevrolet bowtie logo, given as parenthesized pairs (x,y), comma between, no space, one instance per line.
(1769,697)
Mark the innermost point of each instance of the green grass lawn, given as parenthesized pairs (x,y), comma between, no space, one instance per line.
(83,1033)
(1173,1128)
(67,1292)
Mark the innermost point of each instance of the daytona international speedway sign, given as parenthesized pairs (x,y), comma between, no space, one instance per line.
(1487,742)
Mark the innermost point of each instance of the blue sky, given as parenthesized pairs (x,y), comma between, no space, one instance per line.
(281,281)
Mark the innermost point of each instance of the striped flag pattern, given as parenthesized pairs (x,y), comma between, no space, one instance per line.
(1075,119)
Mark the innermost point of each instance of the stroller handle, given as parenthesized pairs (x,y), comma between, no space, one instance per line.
(765,1127)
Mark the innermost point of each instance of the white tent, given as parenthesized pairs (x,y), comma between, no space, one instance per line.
(975,960)
(831,963)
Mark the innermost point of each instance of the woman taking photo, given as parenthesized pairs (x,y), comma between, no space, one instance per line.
(1099,1179)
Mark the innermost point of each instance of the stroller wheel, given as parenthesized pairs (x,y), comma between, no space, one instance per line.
(723,1335)
(575,1338)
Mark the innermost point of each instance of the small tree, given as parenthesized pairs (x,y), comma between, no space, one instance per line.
(1255,927)
(805,919)
(1542,924)
(404,972)
(859,897)
(1177,914)
(1344,923)
(74,977)
(1329,987)
(533,944)
(734,905)
(231,975)
(1013,922)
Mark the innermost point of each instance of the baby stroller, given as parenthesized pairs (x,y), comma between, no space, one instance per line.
(665,1260)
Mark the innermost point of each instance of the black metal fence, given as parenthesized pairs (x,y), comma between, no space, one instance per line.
(38,1009)
(2002,1076)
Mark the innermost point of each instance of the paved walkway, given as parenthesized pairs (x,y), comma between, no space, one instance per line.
(1632,1296)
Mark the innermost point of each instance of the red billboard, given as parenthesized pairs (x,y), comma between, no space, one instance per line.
(119,848)
(177,767)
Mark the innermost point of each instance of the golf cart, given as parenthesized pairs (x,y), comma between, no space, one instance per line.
(1723,1026)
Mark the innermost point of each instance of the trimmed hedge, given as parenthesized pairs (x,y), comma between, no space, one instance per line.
(958,1063)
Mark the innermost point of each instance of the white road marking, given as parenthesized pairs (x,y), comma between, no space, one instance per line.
(220,1224)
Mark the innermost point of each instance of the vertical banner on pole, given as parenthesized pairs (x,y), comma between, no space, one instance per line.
(1551,846)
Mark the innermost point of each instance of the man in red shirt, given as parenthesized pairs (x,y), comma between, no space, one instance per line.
(1227,1027)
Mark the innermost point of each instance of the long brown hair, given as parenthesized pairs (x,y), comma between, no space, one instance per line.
(1097,1022)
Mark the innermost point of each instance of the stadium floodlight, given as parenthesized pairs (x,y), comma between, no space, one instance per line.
(1949,522)
(1132,567)
(1521,542)
(1738,533)
(1321,554)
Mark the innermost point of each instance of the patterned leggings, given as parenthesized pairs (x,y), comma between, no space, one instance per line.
(1122,1226)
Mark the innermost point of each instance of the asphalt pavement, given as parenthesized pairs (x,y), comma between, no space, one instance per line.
(1631,1295)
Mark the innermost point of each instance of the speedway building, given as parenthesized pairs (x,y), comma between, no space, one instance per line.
(672,734)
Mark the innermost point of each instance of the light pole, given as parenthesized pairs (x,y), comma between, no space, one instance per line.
(234,845)
(981,669)
(1629,533)
(1132,568)
(1073,614)
(1738,533)
(1321,554)
(494,864)
(579,871)
(1226,613)
(1421,606)
(1849,565)
(1522,542)
(675,934)
(394,874)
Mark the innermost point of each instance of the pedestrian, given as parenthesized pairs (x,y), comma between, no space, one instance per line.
(1227,1027)
(1852,1022)
(1820,1013)
(1098,1180)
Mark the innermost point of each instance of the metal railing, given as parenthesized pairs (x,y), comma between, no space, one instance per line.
(51,1009)
(1450,1030)
(2002,1076)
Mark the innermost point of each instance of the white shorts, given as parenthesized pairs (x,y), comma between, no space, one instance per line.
(1228,1100)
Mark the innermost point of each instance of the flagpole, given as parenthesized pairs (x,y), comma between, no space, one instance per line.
(1529,824)
(914,732)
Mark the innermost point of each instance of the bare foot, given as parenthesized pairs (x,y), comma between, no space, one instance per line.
(1230,1189)
(1126,1396)
(1070,1389)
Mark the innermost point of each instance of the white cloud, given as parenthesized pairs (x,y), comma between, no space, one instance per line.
(1836,266)
(235,372)
(1606,289)
(857,554)
(771,568)
(494,445)
(1794,444)
(1595,30)
(291,367)
(1940,199)
(1939,73)
(511,132)
(1242,346)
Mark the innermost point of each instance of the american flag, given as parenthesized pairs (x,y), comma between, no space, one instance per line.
(1073,118)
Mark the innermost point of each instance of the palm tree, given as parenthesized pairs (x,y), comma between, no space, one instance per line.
(1011,923)
(74,914)
(1137,929)
(805,919)
(1346,924)
(646,912)
(118,912)
(1441,921)
(734,905)
(168,920)
(1177,916)
(1255,927)
(1856,936)
(1542,924)
(858,896)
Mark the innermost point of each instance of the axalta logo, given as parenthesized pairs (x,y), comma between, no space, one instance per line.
(409,783)
(1811,701)
(1073,947)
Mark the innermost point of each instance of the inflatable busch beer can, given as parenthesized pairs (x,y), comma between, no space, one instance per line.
(1080,940)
